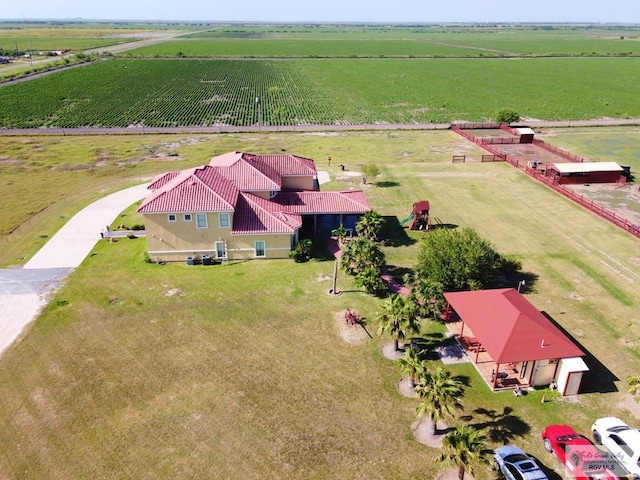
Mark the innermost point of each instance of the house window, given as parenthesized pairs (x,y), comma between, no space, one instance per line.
(223,220)
(201,220)
(220,250)
(260,249)
(172,217)
(187,217)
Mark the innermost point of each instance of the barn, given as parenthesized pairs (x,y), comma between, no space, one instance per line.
(525,133)
(585,172)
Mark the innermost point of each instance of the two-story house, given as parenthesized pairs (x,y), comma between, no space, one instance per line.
(242,206)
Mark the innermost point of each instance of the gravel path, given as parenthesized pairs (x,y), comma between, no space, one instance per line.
(598,122)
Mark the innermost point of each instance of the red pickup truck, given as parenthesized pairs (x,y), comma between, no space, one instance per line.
(581,458)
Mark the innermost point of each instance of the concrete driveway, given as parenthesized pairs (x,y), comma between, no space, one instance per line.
(25,291)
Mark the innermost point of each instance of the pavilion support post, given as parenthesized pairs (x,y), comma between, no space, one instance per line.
(495,376)
(477,353)
(462,330)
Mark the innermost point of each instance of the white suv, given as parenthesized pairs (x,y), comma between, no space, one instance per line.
(621,440)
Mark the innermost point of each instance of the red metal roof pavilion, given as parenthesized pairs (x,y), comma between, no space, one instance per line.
(509,327)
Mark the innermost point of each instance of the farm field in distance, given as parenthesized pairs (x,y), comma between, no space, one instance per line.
(171,93)
(398,41)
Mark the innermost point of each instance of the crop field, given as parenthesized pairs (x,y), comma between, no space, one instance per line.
(398,42)
(169,93)
(24,38)
(309,48)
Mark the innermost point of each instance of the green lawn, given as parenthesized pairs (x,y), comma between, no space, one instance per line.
(236,371)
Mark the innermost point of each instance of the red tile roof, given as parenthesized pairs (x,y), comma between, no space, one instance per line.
(285,165)
(161,180)
(350,202)
(509,327)
(257,215)
(227,183)
(261,172)
(200,189)
(246,176)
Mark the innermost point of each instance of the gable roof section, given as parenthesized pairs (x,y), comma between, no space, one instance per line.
(308,203)
(200,189)
(256,215)
(509,327)
(162,179)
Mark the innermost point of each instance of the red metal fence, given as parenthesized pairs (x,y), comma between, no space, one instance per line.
(551,182)
(557,151)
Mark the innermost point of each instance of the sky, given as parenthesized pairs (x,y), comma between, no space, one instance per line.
(390,11)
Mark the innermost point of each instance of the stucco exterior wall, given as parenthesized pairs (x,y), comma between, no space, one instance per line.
(297,183)
(175,241)
(182,238)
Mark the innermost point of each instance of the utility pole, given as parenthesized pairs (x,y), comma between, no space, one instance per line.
(28,42)
(259,113)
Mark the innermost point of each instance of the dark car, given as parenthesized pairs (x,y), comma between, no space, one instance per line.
(514,464)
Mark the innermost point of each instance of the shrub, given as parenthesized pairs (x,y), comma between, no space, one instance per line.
(507,116)
(302,252)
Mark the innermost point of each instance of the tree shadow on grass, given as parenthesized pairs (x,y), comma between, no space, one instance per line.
(387,184)
(426,345)
(502,427)
(394,235)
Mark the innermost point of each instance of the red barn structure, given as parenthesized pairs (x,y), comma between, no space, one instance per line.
(585,172)
(526,134)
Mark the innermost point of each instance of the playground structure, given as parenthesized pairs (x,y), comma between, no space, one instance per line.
(419,217)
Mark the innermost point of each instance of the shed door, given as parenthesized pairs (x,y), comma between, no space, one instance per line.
(573,383)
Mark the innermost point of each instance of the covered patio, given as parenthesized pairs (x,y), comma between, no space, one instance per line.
(508,340)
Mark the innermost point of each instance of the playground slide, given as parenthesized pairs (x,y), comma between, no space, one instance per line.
(406,219)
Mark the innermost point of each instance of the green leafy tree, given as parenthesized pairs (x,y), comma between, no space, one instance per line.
(439,394)
(457,259)
(507,116)
(465,447)
(398,316)
(370,224)
(412,365)
(369,170)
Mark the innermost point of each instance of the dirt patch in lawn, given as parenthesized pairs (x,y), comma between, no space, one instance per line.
(423,431)
(355,334)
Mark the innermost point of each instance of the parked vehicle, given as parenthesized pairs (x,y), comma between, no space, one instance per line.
(581,458)
(621,440)
(514,464)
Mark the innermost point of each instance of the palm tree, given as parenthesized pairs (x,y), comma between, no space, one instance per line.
(360,254)
(398,317)
(369,225)
(412,365)
(429,295)
(633,384)
(465,447)
(439,394)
